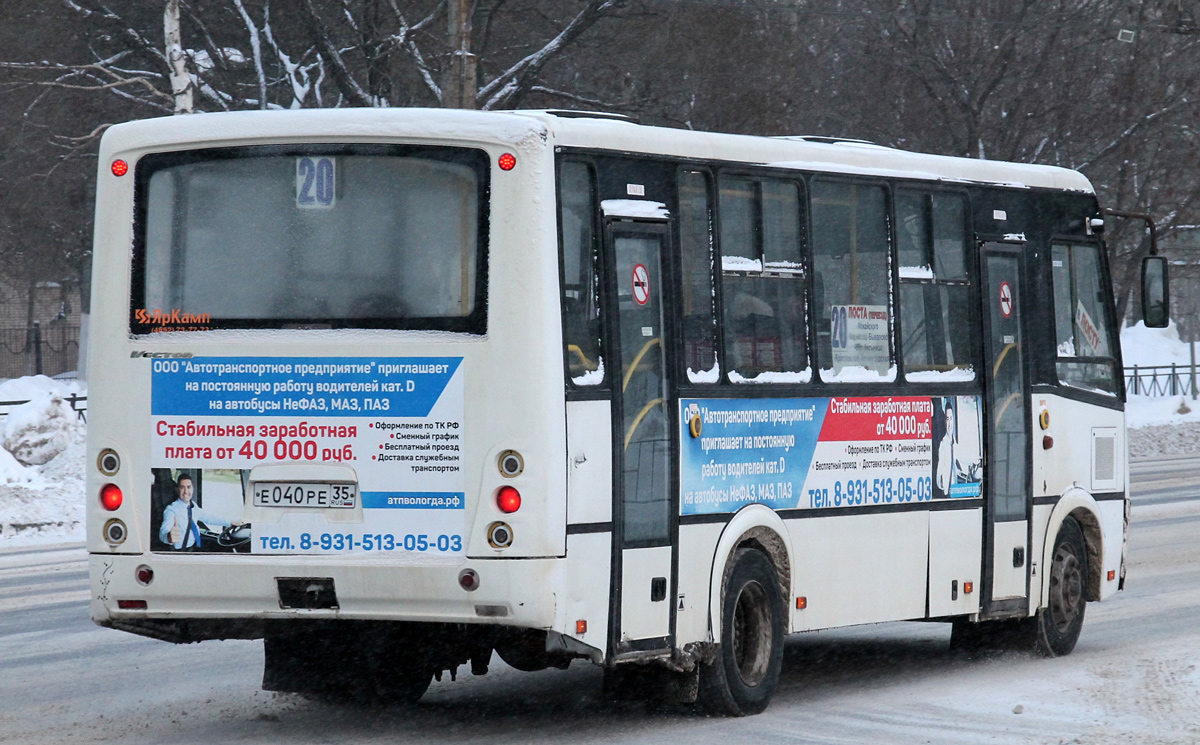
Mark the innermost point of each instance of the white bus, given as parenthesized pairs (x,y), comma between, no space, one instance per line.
(395,389)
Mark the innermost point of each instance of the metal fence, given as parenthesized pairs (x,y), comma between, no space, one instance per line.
(77,403)
(1161,380)
(51,350)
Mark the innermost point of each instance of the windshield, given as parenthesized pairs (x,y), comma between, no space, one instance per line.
(323,236)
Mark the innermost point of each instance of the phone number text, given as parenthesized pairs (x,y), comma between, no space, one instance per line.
(364,542)
(858,492)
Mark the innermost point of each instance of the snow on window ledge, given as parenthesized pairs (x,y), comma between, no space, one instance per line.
(858,374)
(941,376)
(770,376)
(916,272)
(591,377)
(643,208)
(705,376)
(740,264)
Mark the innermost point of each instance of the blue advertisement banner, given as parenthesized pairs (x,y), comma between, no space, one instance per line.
(299,386)
(818,453)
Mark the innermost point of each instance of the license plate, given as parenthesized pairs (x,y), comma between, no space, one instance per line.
(268,494)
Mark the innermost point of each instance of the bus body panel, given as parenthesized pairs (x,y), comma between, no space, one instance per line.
(644,616)
(693,620)
(232,587)
(858,569)
(1078,433)
(1114,524)
(582,589)
(589,462)
(955,545)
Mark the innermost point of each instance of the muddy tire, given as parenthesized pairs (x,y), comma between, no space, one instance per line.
(745,673)
(1059,623)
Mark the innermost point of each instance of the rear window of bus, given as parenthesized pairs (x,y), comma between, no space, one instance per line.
(311,237)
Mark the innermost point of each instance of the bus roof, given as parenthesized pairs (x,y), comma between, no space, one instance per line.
(816,154)
(580,130)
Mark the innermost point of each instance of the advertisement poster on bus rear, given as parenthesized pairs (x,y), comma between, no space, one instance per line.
(828,453)
(307,455)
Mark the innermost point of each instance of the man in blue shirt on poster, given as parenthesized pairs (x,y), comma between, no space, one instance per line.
(179,525)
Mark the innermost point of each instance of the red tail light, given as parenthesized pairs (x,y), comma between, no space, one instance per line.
(111,497)
(508,499)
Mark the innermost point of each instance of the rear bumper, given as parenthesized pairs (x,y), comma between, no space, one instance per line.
(511,592)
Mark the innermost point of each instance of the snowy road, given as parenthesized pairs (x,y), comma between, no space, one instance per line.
(1133,677)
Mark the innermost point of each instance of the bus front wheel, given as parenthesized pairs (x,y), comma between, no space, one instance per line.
(1061,620)
(745,672)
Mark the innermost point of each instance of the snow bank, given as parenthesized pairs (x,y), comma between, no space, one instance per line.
(1147,347)
(42,463)
(37,431)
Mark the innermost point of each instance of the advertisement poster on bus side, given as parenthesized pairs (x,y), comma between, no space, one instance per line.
(391,426)
(825,453)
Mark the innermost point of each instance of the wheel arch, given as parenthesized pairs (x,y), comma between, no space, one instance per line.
(754,526)
(1078,504)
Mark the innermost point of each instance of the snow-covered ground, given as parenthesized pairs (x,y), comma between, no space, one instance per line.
(1160,425)
(42,454)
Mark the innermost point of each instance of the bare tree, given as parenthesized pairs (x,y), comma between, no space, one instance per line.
(239,54)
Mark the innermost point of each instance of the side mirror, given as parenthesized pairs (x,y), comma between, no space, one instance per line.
(1156,295)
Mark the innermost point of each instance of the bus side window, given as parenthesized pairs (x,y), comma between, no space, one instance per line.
(762,281)
(1082,330)
(696,253)
(581,285)
(935,303)
(851,286)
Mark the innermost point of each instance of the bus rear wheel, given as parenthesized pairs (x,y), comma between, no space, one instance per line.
(1059,623)
(745,673)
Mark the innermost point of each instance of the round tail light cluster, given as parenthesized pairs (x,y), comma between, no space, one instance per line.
(508,500)
(511,464)
(108,462)
(499,535)
(115,531)
(111,497)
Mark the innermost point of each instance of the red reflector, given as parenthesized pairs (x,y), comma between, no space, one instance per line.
(131,604)
(508,499)
(507,162)
(968,587)
(111,497)
(468,579)
(1112,574)
(580,627)
(144,574)
(119,168)
(801,603)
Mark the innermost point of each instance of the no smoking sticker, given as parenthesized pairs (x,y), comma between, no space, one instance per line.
(1005,299)
(641,284)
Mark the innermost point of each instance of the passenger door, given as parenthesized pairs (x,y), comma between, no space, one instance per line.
(1007,483)
(643,514)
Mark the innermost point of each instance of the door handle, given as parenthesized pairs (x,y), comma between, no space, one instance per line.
(1018,557)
